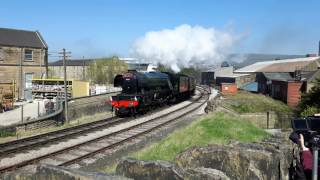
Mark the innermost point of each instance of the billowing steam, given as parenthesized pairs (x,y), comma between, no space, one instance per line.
(184,46)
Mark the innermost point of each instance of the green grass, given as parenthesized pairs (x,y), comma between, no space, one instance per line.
(217,128)
(7,136)
(245,102)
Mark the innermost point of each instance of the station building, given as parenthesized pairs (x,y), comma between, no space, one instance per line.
(23,55)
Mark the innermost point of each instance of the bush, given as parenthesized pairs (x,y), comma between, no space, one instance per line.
(309,111)
(311,100)
(242,108)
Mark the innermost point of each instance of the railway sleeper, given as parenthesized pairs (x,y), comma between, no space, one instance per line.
(65,157)
(87,148)
(78,152)
(51,161)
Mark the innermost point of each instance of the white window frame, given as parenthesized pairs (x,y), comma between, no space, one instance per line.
(24,54)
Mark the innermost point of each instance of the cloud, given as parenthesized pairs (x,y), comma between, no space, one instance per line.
(184,46)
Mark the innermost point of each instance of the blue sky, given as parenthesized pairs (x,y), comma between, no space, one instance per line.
(98,28)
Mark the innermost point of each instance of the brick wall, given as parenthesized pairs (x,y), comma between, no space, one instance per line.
(228,88)
(294,93)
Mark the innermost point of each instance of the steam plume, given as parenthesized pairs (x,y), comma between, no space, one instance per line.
(184,46)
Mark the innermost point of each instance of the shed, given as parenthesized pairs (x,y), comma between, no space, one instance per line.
(228,89)
(287,91)
(238,79)
(208,77)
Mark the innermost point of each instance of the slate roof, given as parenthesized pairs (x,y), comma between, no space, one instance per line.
(309,76)
(21,38)
(278,76)
(72,62)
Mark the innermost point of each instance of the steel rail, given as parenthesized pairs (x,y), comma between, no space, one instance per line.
(35,160)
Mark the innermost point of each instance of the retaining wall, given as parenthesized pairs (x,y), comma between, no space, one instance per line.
(88,106)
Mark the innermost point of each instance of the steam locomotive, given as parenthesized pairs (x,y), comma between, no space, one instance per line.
(142,91)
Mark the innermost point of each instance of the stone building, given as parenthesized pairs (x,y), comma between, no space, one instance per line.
(76,69)
(22,54)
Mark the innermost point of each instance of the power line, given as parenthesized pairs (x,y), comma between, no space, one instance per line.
(65,56)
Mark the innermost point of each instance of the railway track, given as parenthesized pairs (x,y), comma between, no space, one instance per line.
(80,151)
(51,137)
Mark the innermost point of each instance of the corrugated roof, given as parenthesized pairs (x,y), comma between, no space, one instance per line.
(233,75)
(21,38)
(286,65)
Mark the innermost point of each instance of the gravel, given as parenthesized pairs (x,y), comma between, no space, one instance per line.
(20,157)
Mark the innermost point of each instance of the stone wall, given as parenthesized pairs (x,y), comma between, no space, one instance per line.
(12,55)
(50,172)
(73,72)
(89,106)
(268,160)
(10,65)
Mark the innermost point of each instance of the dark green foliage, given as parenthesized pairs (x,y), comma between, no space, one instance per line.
(7,132)
(310,101)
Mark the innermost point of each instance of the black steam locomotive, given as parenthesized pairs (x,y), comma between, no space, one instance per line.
(144,90)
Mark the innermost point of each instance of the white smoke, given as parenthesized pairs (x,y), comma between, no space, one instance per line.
(184,46)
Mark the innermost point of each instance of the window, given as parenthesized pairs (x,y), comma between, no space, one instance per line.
(1,54)
(28,55)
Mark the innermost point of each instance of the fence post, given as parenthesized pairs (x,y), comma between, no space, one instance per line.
(38,109)
(22,113)
(268,114)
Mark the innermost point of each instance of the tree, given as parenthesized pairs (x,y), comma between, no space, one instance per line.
(193,72)
(103,71)
(310,101)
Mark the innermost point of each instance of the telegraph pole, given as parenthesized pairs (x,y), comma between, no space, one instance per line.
(64,55)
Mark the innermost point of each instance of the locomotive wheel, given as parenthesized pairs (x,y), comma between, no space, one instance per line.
(118,113)
(133,112)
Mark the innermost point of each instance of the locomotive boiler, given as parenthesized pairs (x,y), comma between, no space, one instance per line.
(142,91)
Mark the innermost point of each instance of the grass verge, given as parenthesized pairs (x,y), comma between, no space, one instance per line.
(246,102)
(217,128)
